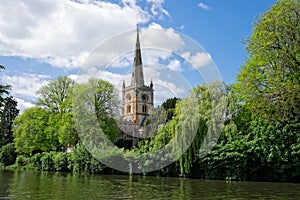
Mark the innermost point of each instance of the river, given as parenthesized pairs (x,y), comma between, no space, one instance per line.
(47,185)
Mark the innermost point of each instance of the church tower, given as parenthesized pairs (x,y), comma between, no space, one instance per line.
(137,98)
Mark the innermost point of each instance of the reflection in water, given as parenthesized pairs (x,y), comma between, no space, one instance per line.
(45,185)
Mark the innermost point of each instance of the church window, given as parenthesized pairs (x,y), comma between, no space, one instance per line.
(129,109)
(128,97)
(144,108)
(144,97)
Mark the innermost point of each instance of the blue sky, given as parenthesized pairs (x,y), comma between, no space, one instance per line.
(40,40)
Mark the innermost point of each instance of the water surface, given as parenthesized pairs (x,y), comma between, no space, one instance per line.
(47,185)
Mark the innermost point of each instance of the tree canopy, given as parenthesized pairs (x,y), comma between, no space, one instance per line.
(55,93)
(269,81)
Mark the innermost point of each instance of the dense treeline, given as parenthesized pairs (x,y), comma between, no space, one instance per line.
(259,139)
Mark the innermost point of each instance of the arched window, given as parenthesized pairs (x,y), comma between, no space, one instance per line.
(144,97)
(144,108)
(128,97)
(129,109)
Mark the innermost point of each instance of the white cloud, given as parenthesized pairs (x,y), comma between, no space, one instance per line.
(175,65)
(23,105)
(198,60)
(62,32)
(24,87)
(160,65)
(159,38)
(157,8)
(204,6)
(157,44)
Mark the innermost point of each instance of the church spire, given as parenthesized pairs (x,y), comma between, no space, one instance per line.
(137,73)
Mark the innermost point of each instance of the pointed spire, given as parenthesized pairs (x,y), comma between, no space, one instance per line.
(137,73)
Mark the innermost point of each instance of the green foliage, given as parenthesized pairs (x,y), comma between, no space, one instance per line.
(55,93)
(35,161)
(50,126)
(81,161)
(188,129)
(96,101)
(67,132)
(169,106)
(61,161)
(157,119)
(22,160)
(7,114)
(260,137)
(269,152)
(47,161)
(260,140)
(33,133)
(269,81)
(8,154)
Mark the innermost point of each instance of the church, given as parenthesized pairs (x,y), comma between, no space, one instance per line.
(137,98)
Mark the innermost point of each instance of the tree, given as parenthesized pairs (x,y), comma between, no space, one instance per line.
(67,132)
(55,93)
(3,90)
(269,82)
(169,106)
(8,154)
(33,133)
(56,97)
(9,113)
(97,97)
(260,140)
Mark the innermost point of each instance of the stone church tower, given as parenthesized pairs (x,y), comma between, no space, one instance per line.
(137,98)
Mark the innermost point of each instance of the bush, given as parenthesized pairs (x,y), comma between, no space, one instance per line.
(80,159)
(35,161)
(22,161)
(47,161)
(8,154)
(61,161)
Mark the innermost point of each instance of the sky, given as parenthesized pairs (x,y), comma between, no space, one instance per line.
(184,43)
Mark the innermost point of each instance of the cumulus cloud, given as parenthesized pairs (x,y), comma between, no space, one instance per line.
(156,42)
(160,38)
(65,32)
(204,6)
(62,32)
(175,65)
(24,87)
(157,8)
(25,84)
(198,60)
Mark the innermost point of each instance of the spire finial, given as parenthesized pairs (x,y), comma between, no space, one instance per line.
(137,28)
